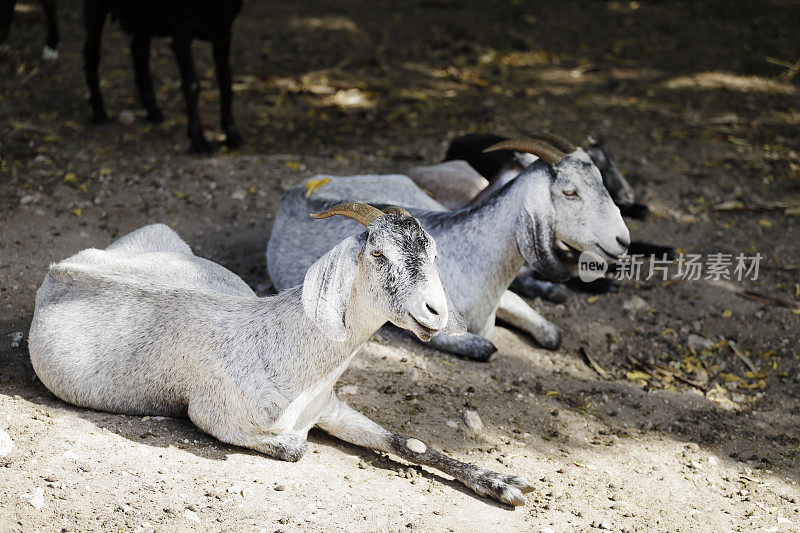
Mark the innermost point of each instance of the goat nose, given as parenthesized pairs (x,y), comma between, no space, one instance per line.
(431,310)
(624,241)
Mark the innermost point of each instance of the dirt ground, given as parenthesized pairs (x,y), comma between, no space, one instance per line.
(696,100)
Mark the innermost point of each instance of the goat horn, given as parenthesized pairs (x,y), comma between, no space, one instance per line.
(394,210)
(546,153)
(363,213)
(556,140)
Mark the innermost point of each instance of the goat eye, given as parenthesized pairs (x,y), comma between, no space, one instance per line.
(571,193)
(377,253)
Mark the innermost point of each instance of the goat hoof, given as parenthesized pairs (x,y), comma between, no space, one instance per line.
(155,116)
(510,490)
(99,117)
(200,146)
(478,349)
(233,139)
(558,294)
(551,339)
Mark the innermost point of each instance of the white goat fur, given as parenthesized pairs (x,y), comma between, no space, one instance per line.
(145,327)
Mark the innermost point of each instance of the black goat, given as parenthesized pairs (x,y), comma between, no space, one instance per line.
(50,51)
(183,21)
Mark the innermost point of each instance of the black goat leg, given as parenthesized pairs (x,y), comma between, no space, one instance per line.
(182,45)
(6,16)
(51,44)
(526,284)
(222,60)
(647,249)
(94,17)
(140,51)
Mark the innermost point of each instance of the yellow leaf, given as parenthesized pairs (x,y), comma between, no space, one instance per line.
(730,377)
(314,184)
(592,299)
(552,393)
(77,211)
(634,375)
(70,177)
(178,194)
(251,190)
(727,313)
(105,171)
(293,165)
(765,223)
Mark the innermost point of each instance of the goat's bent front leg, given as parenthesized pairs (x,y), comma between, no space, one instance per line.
(342,421)
(208,416)
(467,346)
(527,285)
(518,313)
(182,45)
(222,61)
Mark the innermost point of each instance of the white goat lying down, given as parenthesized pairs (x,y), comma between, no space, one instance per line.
(482,247)
(145,327)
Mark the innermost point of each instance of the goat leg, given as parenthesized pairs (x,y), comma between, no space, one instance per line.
(6,16)
(222,57)
(50,52)
(516,311)
(140,52)
(94,17)
(343,422)
(468,346)
(526,284)
(182,45)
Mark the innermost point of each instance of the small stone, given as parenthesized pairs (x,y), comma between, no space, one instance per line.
(452,424)
(635,304)
(36,499)
(280,487)
(472,420)
(693,447)
(605,525)
(239,194)
(698,343)
(126,117)
(416,446)
(712,460)
(696,465)
(191,516)
(41,160)
(6,444)
(235,489)
(348,390)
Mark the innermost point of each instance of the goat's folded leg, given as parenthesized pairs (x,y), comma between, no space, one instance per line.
(182,45)
(222,58)
(467,346)
(526,284)
(286,446)
(343,422)
(140,52)
(516,311)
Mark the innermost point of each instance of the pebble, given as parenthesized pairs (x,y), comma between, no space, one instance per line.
(126,117)
(36,499)
(42,160)
(472,420)
(698,343)
(635,304)
(280,487)
(239,194)
(191,516)
(6,444)
(16,338)
(712,460)
(452,424)
(348,390)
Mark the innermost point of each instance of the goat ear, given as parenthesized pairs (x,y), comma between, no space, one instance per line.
(327,287)
(536,233)
(456,323)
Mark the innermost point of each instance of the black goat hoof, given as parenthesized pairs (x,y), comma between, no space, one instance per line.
(200,147)
(478,349)
(233,139)
(155,116)
(99,118)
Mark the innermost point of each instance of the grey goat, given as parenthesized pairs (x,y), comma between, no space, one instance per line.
(145,327)
(560,197)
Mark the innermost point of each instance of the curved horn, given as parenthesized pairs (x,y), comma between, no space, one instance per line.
(394,210)
(546,153)
(363,213)
(556,140)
